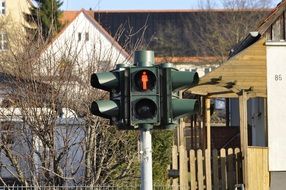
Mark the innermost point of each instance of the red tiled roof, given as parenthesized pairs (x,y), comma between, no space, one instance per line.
(69,16)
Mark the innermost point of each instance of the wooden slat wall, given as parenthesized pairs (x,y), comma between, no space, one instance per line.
(258,173)
(247,69)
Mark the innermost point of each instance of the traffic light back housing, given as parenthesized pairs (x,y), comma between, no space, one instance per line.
(105,81)
(173,107)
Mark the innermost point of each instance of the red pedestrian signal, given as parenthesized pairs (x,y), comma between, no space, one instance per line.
(144,80)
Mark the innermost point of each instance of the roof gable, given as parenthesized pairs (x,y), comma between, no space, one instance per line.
(69,18)
(272,17)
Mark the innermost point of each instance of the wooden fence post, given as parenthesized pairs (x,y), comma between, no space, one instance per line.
(223,168)
(230,169)
(208,150)
(215,169)
(193,170)
(238,162)
(200,170)
(175,181)
(183,168)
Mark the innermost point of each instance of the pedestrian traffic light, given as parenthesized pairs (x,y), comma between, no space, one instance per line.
(114,82)
(172,107)
(144,95)
(144,90)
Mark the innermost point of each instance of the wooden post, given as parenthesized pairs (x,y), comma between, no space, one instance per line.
(175,181)
(183,168)
(208,151)
(183,156)
(193,170)
(243,134)
(181,129)
(182,139)
(182,151)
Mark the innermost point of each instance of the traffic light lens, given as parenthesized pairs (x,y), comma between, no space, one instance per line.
(145,80)
(145,109)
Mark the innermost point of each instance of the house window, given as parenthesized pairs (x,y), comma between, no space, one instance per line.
(3,41)
(79,36)
(86,36)
(2,7)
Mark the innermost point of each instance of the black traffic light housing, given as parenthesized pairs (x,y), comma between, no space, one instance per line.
(144,95)
(173,107)
(115,83)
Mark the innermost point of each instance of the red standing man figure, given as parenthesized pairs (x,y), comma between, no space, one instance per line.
(144,80)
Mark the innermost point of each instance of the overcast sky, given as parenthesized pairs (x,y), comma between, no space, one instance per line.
(133,4)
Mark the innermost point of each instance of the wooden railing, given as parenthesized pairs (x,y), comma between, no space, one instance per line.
(226,169)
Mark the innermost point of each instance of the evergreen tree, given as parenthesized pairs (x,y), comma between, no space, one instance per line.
(46,14)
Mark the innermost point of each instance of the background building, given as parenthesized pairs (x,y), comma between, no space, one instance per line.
(12,22)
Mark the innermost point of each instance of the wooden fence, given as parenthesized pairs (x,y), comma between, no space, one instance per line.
(226,169)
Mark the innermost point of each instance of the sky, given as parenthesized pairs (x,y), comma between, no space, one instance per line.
(134,4)
(128,4)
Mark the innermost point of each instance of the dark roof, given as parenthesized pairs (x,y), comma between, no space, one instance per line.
(250,39)
(19,88)
(261,30)
(178,33)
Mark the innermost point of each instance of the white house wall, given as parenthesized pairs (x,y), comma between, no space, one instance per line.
(276,93)
(73,162)
(30,164)
(69,131)
(21,150)
(85,53)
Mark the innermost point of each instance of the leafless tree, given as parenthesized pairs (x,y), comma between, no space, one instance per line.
(217,31)
(48,135)
(211,31)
